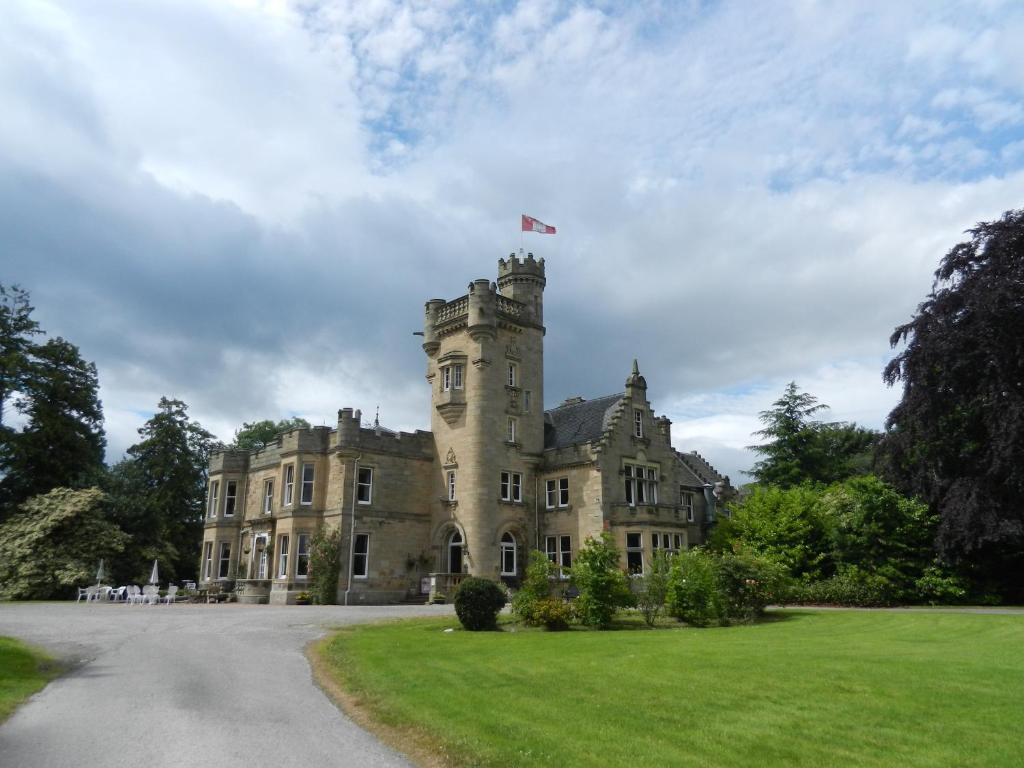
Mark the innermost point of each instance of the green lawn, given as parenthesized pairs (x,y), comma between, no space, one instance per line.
(805,689)
(23,671)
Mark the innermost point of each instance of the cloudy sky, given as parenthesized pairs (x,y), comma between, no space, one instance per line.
(244,205)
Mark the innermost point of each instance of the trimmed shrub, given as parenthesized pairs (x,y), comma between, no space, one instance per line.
(603,587)
(552,613)
(748,583)
(477,603)
(692,593)
(536,588)
(851,586)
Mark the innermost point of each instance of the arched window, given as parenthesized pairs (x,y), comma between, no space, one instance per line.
(508,555)
(455,552)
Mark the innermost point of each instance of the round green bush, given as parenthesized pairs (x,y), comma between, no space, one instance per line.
(477,602)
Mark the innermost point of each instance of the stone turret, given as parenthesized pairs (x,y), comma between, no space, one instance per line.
(523,280)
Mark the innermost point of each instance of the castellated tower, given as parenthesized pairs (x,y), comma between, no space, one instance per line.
(485,366)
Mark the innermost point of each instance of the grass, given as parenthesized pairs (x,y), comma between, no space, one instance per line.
(804,689)
(24,670)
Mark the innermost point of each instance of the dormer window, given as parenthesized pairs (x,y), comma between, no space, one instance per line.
(638,423)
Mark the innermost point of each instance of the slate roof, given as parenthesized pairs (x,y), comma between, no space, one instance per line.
(701,468)
(580,422)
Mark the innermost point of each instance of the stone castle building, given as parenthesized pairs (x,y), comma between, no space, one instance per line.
(496,476)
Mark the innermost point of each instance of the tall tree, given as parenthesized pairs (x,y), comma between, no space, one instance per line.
(157,493)
(801,449)
(16,331)
(257,434)
(63,442)
(956,438)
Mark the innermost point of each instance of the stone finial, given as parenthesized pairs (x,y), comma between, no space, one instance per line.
(635,379)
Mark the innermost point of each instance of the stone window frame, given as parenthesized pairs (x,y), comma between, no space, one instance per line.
(300,539)
(513,375)
(367,485)
(307,484)
(641,479)
(686,502)
(213,499)
(665,541)
(511,486)
(527,397)
(555,489)
(230,497)
(449,481)
(635,553)
(558,548)
(638,422)
(361,555)
(508,545)
(207,560)
(268,496)
(511,430)
(283,545)
(223,559)
(288,485)
(452,377)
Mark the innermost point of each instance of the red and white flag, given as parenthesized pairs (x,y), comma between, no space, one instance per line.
(530,224)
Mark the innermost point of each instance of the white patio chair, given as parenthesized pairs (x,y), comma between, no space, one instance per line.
(172,590)
(150,594)
(118,595)
(134,594)
(83,592)
(92,593)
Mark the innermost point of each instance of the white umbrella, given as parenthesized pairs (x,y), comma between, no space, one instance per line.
(99,573)
(154,577)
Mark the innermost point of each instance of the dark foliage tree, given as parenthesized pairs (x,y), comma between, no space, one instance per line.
(956,439)
(157,494)
(800,449)
(62,443)
(257,434)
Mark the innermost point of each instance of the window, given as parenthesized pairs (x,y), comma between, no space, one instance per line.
(450,480)
(224,560)
(641,485)
(214,495)
(307,485)
(666,541)
(677,542)
(686,502)
(289,484)
(511,436)
(563,491)
(638,422)
(511,486)
(268,497)
(559,551)
(361,556)
(451,377)
(364,485)
(526,401)
(230,497)
(282,557)
(557,493)
(512,377)
(634,553)
(508,555)
(207,560)
(302,556)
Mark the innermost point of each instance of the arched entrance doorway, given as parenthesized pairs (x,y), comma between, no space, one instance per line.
(455,545)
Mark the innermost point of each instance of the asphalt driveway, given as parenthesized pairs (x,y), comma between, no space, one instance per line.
(200,685)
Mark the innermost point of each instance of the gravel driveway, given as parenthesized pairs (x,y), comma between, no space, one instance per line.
(201,685)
